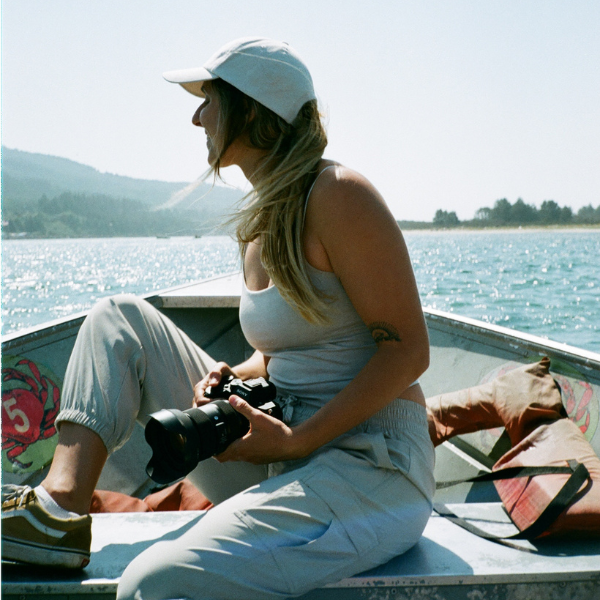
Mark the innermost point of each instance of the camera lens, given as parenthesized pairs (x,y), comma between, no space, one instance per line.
(181,439)
(176,442)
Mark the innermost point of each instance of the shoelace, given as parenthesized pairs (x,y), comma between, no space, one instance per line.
(10,491)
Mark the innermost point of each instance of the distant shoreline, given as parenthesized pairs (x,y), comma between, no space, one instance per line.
(508,229)
(427,230)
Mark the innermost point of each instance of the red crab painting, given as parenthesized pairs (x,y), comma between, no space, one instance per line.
(28,411)
(578,397)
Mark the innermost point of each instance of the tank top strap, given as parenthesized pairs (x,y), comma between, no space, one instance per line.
(312,186)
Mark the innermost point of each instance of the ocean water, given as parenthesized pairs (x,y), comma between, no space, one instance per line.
(44,280)
(544,282)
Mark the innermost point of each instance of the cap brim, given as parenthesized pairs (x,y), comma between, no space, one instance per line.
(190,79)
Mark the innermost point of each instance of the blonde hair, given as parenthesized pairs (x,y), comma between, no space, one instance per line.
(274,210)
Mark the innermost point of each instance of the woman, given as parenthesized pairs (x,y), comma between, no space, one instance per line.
(344,482)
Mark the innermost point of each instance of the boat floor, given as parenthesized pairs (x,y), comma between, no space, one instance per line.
(448,562)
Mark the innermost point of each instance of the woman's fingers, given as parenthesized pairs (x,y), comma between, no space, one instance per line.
(245,409)
(268,439)
(212,378)
(217,372)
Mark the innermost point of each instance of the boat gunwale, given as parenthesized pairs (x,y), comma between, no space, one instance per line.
(527,342)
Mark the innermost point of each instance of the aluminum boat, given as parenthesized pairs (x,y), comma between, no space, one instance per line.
(447,563)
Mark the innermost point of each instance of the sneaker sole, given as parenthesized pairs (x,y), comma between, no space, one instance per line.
(41,555)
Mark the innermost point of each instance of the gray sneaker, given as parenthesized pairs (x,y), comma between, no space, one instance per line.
(32,535)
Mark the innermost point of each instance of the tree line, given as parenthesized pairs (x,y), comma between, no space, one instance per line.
(95,215)
(503,213)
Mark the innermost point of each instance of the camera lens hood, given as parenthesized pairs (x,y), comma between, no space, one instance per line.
(168,433)
(181,439)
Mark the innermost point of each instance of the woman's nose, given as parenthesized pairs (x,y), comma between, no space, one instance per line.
(196,117)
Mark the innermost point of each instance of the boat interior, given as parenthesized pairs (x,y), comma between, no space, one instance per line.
(448,562)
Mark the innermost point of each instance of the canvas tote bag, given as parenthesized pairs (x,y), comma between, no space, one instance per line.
(549,482)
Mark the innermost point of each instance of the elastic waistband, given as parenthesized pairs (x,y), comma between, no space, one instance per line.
(397,417)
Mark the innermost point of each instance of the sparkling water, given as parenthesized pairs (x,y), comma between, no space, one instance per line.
(545,282)
(542,282)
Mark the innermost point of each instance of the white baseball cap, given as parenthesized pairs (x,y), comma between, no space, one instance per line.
(267,70)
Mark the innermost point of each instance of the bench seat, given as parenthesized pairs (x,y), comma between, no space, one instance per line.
(448,562)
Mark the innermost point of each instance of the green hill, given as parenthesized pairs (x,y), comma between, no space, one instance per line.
(49,196)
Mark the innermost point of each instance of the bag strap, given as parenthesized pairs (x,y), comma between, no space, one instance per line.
(579,474)
(508,473)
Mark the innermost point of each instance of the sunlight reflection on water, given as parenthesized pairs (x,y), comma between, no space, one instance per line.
(543,282)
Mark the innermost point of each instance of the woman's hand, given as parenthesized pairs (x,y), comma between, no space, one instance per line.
(217,373)
(268,440)
(255,366)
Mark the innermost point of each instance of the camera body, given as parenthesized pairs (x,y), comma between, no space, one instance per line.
(181,439)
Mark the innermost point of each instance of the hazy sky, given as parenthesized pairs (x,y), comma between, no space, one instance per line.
(446,104)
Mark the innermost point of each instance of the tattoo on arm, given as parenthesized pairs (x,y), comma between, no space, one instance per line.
(384,332)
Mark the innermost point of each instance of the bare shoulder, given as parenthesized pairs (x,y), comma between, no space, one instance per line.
(348,199)
(340,183)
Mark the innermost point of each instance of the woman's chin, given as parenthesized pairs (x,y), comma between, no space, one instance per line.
(212,159)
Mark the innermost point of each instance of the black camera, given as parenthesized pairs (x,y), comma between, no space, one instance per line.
(181,439)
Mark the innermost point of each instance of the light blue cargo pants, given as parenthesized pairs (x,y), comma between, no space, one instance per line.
(343,510)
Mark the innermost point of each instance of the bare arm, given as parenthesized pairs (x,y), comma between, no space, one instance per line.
(367,252)
(255,366)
